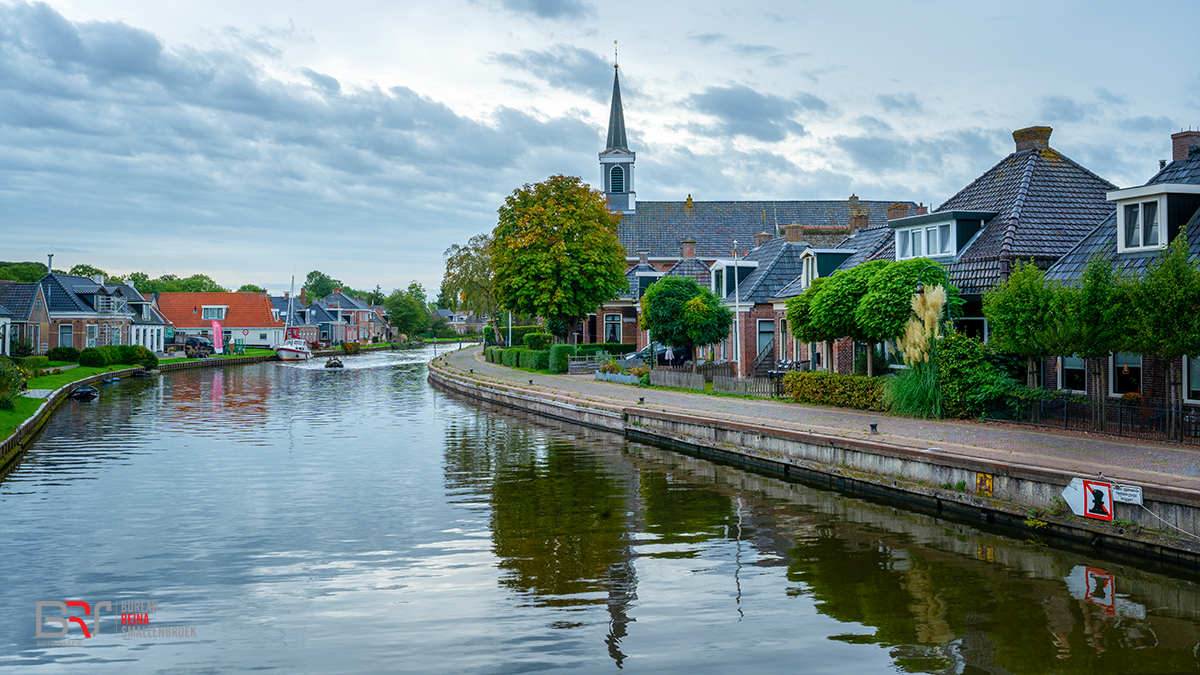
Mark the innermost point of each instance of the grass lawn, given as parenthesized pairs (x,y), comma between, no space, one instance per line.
(9,419)
(69,376)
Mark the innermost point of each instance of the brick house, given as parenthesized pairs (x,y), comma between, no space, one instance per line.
(298,324)
(248,317)
(354,319)
(1147,218)
(29,319)
(85,312)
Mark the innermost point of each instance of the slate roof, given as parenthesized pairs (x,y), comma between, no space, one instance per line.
(62,293)
(249,310)
(344,302)
(1180,171)
(18,297)
(778,265)
(318,315)
(692,268)
(661,227)
(4,311)
(1045,204)
(631,278)
(281,303)
(866,243)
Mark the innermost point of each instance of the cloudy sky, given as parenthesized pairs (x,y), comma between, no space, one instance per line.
(255,140)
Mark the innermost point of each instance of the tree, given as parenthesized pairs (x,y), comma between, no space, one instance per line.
(678,312)
(320,284)
(376,296)
(833,309)
(884,310)
(406,309)
(1094,319)
(26,272)
(555,251)
(251,288)
(469,282)
(201,283)
(1166,304)
(1019,313)
(87,271)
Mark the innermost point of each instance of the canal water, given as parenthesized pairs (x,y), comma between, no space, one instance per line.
(284,518)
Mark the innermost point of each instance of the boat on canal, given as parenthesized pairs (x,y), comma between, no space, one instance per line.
(334,362)
(293,348)
(84,393)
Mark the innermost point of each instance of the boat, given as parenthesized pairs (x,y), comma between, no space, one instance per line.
(292,348)
(334,362)
(84,393)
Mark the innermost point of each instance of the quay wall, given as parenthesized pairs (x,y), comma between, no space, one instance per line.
(1022,497)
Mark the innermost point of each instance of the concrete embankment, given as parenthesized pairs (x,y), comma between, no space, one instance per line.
(1003,493)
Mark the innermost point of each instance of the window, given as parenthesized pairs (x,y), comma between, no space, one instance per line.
(719,283)
(66,335)
(1140,225)
(1072,374)
(766,334)
(262,336)
(612,327)
(927,240)
(1191,378)
(217,313)
(92,333)
(1125,374)
(810,270)
(617,179)
(104,303)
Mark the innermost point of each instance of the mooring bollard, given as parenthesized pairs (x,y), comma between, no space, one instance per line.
(874,429)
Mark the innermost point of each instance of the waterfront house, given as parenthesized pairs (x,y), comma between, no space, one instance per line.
(1146,219)
(26,302)
(248,317)
(91,312)
(5,329)
(298,323)
(358,322)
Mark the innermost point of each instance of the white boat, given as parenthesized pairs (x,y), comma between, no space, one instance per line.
(292,349)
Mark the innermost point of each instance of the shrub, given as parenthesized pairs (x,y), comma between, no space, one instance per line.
(68,354)
(146,359)
(35,363)
(537,341)
(12,378)
(126,354)
(914,392)
(22,347)
(93,357)
(538,359)
(559,357)
(844,391)
(966,375)
(6,403)
(351,348)
(512,357)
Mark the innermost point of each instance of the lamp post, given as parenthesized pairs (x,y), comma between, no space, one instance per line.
(737,316)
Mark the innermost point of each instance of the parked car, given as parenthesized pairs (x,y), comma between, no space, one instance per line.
(679,356)
(199,344)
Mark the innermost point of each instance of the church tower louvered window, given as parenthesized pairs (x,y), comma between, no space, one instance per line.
(617,180)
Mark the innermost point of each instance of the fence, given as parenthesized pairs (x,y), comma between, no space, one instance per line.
(708,370)
(662,377)
(1133,419)
(750,386)
(581,365)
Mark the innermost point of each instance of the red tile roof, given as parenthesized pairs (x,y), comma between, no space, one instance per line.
(249,310)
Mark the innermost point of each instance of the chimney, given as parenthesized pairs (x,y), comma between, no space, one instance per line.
(287,294)
(689,202)
(921,209)
(687,249)
(1032,138)
(858,221)
(337,290)
(793,232)
(1182,144)
(643,257)
(303,295)
(897,210)
(99,279)
(1162,164)
(762,238)
(853,199)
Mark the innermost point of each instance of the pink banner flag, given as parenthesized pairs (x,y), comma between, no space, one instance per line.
(218,344)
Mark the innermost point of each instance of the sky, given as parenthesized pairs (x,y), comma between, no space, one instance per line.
(256,141)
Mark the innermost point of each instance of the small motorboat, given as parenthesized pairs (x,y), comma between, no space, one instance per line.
(110,380)
(84,393)
(334,362)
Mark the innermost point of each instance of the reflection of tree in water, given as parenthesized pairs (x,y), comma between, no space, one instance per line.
(682,513)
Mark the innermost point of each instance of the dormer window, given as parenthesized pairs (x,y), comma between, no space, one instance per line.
(1150,216)
(1140,226)
(104,303)
(211,313)
(935,239)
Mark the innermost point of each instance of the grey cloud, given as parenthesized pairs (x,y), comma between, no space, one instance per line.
(1063,109)
(743,111)
(879,153)
(552,9)
(1110,98)
(707,39)
(1146,123)
(328,83)
(873,124)
(566,67)
(904,104)
(771,55)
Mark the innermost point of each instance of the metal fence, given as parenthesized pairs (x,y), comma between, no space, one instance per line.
(662,377)
(750,386)
(1133,419)
(708,370)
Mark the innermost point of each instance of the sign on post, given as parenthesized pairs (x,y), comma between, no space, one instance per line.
(1090,498)
(1127,494)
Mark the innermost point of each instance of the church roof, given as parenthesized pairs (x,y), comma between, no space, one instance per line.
(616,119)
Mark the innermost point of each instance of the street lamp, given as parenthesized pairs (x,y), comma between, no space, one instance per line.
(737,317)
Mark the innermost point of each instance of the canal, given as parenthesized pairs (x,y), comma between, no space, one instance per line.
(285,518)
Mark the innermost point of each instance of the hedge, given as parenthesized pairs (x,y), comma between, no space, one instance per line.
(512,357)
(610,347)
(68,354)
(111,355)
(560,357)
(843,391)
(538,341)
(538,359)
(519,332)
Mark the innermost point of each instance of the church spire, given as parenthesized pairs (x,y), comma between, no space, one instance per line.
(616,117)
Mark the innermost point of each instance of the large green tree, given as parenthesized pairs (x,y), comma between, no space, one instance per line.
(1094,318)
(800,315)
(885,308)
(169,283)
(250,288)
(406,309)
(26,272)
(555,251)
(320,284)
(834,308)
(678,312)
(1021,318)
(469,282)
(1166,304)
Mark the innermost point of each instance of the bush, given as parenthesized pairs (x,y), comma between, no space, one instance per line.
(610,347)
(843,391)
(538,359)
(914,392)
(68,354)
(12,379)
(126,354)
(22,347)
(92,357)
(35,363)
(146,359)
(7,403)
(560,357)
(351,348)
(537,341)
(966,374)
(512,357)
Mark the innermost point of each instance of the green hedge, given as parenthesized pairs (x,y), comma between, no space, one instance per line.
(110,355)
(68,354)
(537,359)
(512,357)
(843,391)
(35,363)
(538,341)
(559,357)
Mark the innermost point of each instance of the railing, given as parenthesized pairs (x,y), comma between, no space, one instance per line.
(750,386)
(662,377)
(708,370)
(762,362)
(582,365)
(1133,419)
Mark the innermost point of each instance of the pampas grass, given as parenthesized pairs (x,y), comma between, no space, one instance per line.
(915,392)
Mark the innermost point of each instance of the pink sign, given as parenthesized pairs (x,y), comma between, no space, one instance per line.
(217,337)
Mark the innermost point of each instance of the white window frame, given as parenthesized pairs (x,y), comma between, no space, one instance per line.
(810,270)
(1141,195)
(619,324)
(71,343)
(220,312)
(1160,203)
(92,335)
(1112,373)
(1062,372)
(1186,373)
(944,232)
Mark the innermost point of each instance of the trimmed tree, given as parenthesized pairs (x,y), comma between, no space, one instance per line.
(834,308)
(1020,313)
(555,252)
(800,314)
(1094,319)
(682,314)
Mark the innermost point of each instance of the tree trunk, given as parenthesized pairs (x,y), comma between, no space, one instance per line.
(870,360)
(1031,382)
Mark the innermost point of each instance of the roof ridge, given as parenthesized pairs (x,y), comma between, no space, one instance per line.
(978,179)
(1014,217)
(1086,170)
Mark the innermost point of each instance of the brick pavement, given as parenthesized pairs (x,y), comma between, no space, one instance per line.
(1132,460)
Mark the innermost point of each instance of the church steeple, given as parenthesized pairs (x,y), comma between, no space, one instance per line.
(616,162)
(616,117)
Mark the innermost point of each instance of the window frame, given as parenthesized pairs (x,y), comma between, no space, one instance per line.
(70,332)
(618,323)
(1186,374)
(1112,374)
(220,310)
(1061,370)
(944,233)
(1160,202)
(611,173)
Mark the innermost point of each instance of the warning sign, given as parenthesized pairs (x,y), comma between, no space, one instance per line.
(983,484)
(1090,498)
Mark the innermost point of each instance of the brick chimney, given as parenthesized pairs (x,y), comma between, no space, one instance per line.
(921,210)
(687,249)
(287,294)
(858,221)
(762,238)
(793,232)
(1032,138)
(303,295)
(337,290)
(897,210)
(1182,144)
(643,257)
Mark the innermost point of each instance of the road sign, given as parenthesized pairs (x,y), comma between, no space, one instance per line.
(1090,498)
(1127,494)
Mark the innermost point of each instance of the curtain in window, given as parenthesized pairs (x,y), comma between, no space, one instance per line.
(931,243)
(1150,222)
(905,246)
(1133,237)
(944,237)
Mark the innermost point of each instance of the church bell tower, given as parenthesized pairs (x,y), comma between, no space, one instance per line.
(616,162)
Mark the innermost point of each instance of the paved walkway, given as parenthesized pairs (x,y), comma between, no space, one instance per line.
(1132,460)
